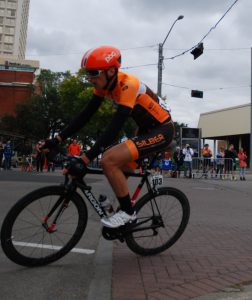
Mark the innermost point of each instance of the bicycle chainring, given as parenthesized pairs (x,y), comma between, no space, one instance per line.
(111,234)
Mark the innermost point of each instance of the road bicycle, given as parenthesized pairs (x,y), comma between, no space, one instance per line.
(47,223)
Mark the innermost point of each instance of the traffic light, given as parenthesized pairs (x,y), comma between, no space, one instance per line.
(197,94)
(196,52)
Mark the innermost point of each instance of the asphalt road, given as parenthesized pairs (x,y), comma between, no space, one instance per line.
(216,206)
(73,276)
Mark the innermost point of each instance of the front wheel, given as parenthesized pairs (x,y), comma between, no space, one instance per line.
(28,234)
(162,219)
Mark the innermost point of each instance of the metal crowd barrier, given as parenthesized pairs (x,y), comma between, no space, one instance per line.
(218,168)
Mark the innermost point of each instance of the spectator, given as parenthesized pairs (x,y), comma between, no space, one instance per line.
(188,154)
(220,163)
(207,154)
(40,157)
(8,153)
(156,165)
(179,160)
(230,162)
(242,163)
(1,155)
(74,148)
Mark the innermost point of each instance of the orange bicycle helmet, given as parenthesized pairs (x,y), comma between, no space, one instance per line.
(101,58)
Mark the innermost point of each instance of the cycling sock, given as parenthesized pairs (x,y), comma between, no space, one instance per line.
(125,204)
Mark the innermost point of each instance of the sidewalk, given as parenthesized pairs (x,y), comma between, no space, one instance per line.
(213,258)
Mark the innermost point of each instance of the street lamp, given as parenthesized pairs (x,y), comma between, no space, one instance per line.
(161,58)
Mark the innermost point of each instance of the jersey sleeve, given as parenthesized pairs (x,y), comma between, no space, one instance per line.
(82,118)
(111,133)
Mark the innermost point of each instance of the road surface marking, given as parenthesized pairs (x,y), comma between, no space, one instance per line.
(204,188)
(51,247)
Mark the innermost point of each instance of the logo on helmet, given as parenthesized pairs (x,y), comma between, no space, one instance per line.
(110,56)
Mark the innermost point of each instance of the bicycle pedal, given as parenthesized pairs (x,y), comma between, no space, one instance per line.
(128,225)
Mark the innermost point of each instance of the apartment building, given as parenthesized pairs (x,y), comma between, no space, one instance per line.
(13,28)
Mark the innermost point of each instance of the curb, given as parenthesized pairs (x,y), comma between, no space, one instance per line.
(100,286)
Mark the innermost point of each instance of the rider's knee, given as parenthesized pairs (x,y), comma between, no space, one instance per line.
(107,160)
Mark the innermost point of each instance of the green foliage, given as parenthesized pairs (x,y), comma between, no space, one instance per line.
(8,123)
(62,97)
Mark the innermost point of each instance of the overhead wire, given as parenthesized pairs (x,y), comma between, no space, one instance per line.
(212,28)
(190,49)
(208,89)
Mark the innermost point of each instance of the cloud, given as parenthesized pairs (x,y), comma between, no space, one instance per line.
(61,31)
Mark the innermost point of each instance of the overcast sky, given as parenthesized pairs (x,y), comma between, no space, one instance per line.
(60,31)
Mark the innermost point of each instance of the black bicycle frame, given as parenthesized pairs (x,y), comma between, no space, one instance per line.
(90,196)
(80,183)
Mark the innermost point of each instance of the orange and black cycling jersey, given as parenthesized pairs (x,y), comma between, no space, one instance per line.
(132,99)
(147,109)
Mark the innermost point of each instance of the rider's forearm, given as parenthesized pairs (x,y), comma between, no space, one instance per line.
(111,133)
(78,122)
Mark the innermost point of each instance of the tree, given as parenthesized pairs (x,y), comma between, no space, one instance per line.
(50,103)
(8,123)
(41,115)
(75,93)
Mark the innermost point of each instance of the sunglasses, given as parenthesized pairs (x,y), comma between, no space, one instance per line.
(93,73)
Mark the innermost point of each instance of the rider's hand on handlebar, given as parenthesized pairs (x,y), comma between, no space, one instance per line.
(75,166)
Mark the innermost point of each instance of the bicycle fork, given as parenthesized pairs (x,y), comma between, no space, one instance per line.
(63,202)
(51,228)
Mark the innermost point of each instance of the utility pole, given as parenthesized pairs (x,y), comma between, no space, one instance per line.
(160,68)
(161,58)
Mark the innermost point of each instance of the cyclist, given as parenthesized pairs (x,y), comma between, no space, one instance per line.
(133,99)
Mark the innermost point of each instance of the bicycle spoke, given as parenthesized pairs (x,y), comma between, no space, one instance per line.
(165,213)
(41,229)
(24,240)
(35,237)
(29,222)
(34,215)
(25,228)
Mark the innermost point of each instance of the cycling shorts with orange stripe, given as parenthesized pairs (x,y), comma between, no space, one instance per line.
(155,140)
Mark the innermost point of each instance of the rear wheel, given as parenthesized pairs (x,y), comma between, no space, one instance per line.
(25,235)
(167,213)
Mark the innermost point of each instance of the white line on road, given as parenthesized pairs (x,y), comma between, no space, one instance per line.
(51,247)
(204,188)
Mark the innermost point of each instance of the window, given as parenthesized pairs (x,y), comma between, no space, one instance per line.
(8,39)
(12,4)
(10,21)
(9,30)
(11,12)
(2,4)
(8,47)
(1,20)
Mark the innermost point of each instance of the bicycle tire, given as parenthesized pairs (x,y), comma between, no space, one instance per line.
(29,210)
(175,199)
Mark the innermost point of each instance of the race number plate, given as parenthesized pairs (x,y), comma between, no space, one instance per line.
(157,180)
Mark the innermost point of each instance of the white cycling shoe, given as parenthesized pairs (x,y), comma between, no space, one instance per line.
(118,219)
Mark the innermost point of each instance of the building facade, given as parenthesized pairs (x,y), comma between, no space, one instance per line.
(16,83)
(228,126)
(13,28)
